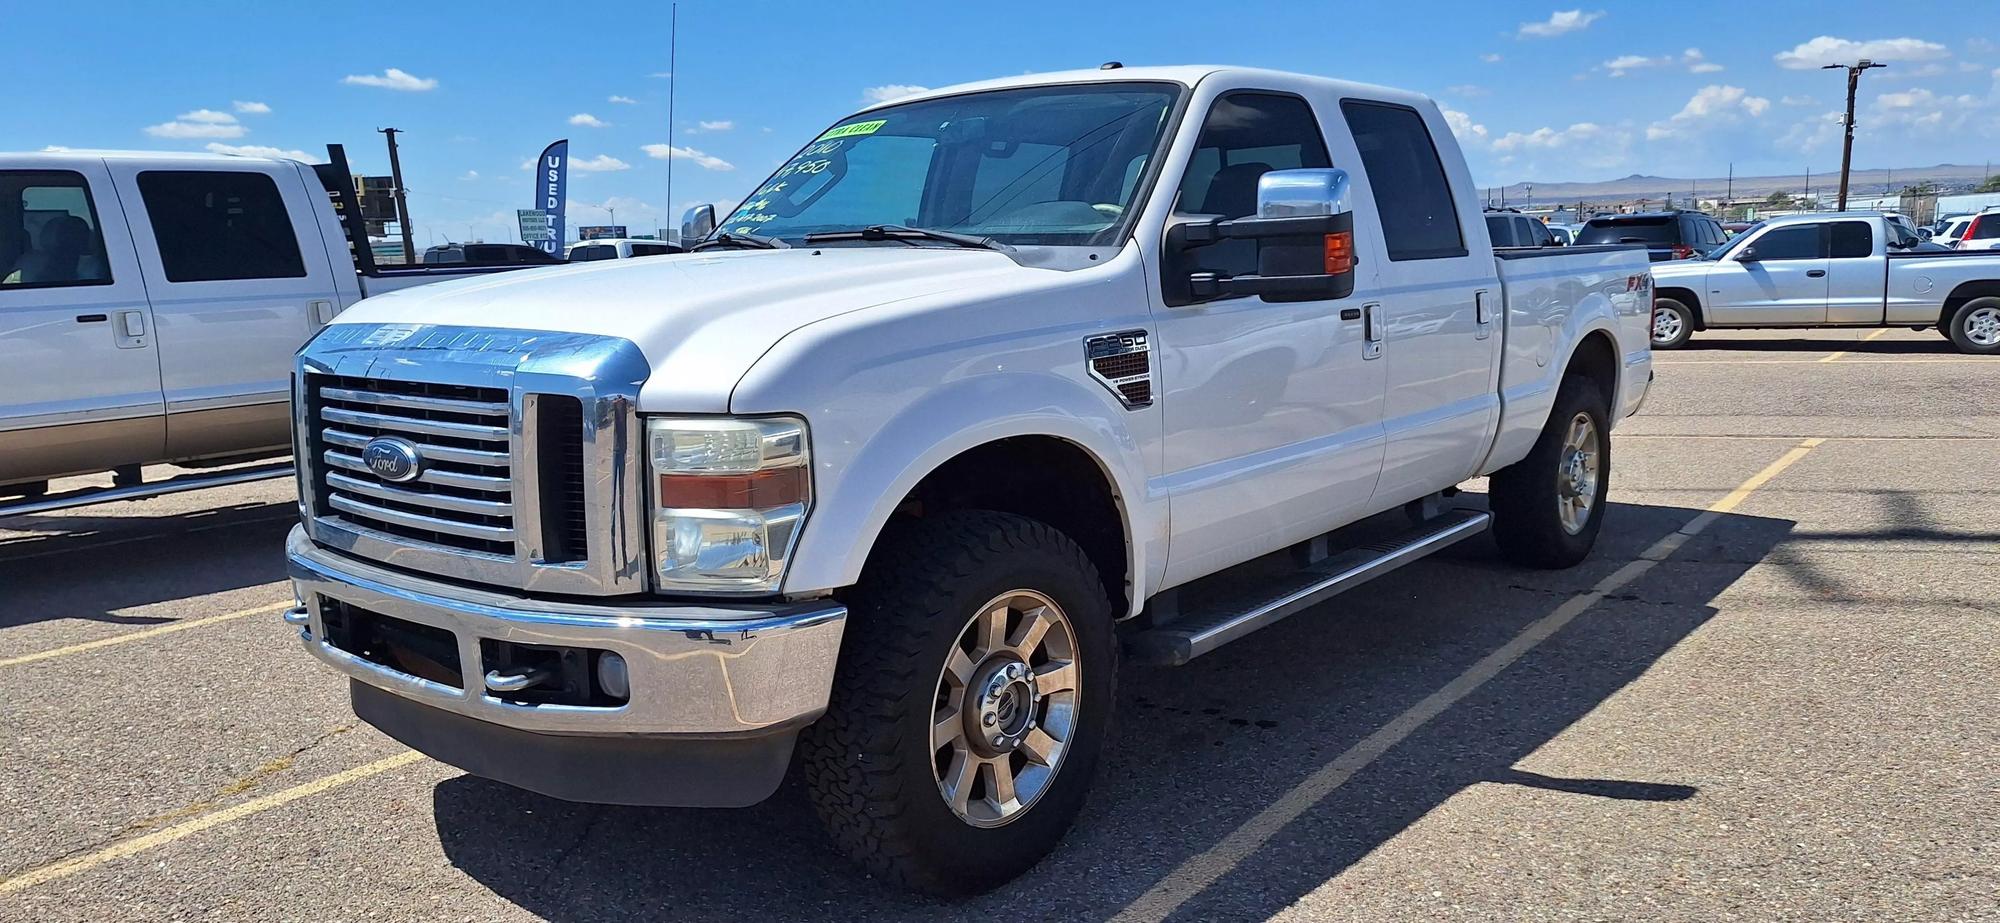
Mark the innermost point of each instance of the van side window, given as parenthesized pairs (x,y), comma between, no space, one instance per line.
(220,225)
(49,235)
(1412,196)
(1245,136)
(1852,239)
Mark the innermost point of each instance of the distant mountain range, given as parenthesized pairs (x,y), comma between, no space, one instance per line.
(1657,188)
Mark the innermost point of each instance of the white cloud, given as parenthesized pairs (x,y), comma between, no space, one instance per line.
(602,163)
(470,175)
(394,78)
(207,115)
(1711,105)
(1923,111)
(1490,57)
(1811,134)
(1829,50)
(587,120)
(262,150)
(883,94)
(1549,138)
(704,161)
(625,100)
(1797,101)
(251,108)
(1469,132)
(1692,59)
(717,125)
(661,75)
(56,149)
(1468,90)
(1559,23)
(201,123)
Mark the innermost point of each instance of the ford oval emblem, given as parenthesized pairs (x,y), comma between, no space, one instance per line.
(393,460)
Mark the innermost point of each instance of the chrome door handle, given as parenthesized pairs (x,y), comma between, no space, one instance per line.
(1371,331)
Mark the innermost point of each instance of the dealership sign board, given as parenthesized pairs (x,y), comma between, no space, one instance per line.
(534,225)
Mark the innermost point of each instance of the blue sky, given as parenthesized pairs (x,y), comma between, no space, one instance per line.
(1535,91)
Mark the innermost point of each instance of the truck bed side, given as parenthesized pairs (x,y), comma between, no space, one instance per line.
(1553,299)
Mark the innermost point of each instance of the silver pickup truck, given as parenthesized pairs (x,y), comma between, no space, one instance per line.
(1849,269)
(150,304)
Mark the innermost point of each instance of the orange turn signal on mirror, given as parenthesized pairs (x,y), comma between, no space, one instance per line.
(1340,253)
(758,490)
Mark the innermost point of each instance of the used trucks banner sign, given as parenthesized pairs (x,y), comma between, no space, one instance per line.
(551,191)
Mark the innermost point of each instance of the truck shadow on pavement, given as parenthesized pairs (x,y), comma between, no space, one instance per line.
(1885,347)
(1197,753)
(151,559)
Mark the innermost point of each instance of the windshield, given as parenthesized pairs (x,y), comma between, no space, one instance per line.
(1657,231)
(1038,165)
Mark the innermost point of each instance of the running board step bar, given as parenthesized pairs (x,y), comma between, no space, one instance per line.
(1206,624)
(92,495)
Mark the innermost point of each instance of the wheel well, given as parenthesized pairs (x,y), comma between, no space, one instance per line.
(1687,297)
(1044,478)
(1983,288)
(1596,359)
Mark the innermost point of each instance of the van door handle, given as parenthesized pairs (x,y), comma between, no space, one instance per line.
(1815,273)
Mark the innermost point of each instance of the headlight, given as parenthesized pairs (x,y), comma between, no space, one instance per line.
(728,498)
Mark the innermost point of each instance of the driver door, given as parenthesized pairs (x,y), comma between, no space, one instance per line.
(1273,408)
(1779,279)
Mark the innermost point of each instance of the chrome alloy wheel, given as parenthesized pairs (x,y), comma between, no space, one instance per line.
(1005,707)
(1982,327)
(1667,325)
(1577,472)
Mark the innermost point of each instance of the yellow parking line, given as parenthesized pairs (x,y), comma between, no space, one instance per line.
(182,625)
(1204,869)
(132,847)
(1863,339)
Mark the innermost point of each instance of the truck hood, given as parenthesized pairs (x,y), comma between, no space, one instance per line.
(707,317)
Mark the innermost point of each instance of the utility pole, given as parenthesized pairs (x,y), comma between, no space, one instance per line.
(1847,145)
(402,197)
(673,79)
(1729,194)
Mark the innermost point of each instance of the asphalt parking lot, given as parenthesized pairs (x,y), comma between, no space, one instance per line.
(1770,694)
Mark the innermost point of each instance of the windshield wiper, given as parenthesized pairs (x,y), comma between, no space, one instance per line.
(907,234)
(748,241)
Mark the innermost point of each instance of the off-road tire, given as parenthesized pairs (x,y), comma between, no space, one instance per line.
(1527,523)
(866,762)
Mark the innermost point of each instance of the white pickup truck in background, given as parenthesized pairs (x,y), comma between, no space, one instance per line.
(150,305)
(882,469)
(1848,269)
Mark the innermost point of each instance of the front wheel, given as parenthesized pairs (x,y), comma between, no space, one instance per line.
(1975,327)
(1549,506)
(1673,323)
(971,701)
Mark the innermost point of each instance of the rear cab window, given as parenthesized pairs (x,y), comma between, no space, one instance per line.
(214,225)
(49,231)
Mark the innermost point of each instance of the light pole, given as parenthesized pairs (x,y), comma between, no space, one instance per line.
(1847,146)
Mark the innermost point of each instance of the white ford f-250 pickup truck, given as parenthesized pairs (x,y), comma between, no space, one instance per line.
(876,470)
(1845,269)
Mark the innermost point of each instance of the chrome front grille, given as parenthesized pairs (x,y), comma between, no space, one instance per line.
(526,447)
(463,497)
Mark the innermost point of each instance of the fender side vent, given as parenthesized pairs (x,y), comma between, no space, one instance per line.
(1123,362)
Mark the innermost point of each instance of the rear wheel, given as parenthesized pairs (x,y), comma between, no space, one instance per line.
(972,699)
(1975,327)
(1673,323)
(1549,506)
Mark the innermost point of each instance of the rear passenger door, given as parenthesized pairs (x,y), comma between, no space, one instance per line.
(239,278)
(1776,279)
(1438,302)
(79,367)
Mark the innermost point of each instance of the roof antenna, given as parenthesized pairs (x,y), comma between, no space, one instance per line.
(1110,66)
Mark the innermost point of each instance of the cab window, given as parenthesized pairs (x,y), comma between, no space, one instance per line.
(49,234)
(220,225)
(1795,242)
(1245,136)
(1853,239)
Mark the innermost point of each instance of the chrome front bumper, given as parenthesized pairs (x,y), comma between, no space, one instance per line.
(696,671)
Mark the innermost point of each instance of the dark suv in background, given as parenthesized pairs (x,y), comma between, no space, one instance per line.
(1667,235)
